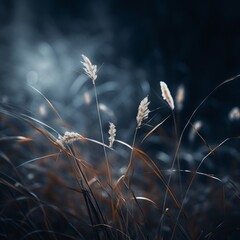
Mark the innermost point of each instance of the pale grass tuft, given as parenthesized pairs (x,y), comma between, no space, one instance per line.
(234,114)
(143,111)
(89,68)
(180,97)
(166,94)
(69,137)
(19,139)
(42,110)
(103,107)
(112,134)
(195,128)
(87,98)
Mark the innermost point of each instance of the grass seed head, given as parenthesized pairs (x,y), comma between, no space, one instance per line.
(112,134)
(166,94)
(143,111)
(69,137)
(195,128)
(89,68)
(234,114)
(180,97)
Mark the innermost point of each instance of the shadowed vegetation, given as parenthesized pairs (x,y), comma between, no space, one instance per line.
(166,181)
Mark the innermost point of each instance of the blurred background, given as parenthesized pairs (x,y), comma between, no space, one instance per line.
(194,43)
(136,44)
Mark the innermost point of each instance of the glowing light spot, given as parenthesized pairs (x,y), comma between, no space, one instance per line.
(87,98)
(42,110)
(234,114)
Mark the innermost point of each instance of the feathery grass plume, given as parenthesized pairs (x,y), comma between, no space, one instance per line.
(91,71)
(143,111)
(89,68)
(69,137)
(180,97)
(112,134)
(234,114)
(195,128)
(166,94)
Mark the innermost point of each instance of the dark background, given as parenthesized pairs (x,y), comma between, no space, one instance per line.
(190,42)
(135,44)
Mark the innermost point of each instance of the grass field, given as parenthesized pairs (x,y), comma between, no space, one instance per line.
(161,176)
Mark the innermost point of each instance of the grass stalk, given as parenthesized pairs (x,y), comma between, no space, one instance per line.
(102,136)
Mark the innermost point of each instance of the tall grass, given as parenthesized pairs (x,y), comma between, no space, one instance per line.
(128,192)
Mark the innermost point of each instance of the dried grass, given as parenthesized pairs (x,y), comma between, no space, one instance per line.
(70,196)
(195,128)
(89,68)
(69,137)
(166,94)
(234,114)
(143,111)
(180,96)
(112,134)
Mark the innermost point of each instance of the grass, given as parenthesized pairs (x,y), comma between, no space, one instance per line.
(160,184)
